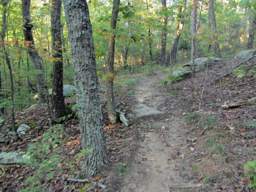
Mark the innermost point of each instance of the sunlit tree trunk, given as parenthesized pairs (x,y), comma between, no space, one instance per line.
(252,29)
(112,115)
(58,105)
(164,33)
(7,57)
(86,81)
(33,54)
(213,26)
(194,29)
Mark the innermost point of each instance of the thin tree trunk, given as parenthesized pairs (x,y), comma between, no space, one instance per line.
(58,105)
(125,56)
(150,40)
(213,27)
(33,54)
(7,59)
(164,34)
(194,30)
(86,80)
(252,29)
(172,58)
(112,115)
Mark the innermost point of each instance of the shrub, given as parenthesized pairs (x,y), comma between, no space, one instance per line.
(250,171)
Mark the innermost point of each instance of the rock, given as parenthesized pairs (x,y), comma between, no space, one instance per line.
(201,63)
(22,130)
(69,90)
(180,73)
(10,158)
(245,54)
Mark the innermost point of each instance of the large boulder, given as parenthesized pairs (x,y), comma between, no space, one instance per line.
(201,63)
(245,54)
(179,73)
(10,158)
(23,130)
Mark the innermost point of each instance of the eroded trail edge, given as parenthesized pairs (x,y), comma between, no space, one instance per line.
(156,166)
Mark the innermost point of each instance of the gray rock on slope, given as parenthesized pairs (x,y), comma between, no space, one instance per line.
(10,158)
(23,130)
(245,54)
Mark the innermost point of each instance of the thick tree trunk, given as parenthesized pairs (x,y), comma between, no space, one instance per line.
(213,27)
(86,80)
(252,29)
(7,59)
(112,115)
(58,105)
(164,34)
(33,54)
(194,30)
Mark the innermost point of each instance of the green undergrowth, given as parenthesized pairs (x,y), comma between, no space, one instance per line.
(244,71)
(204,121)
(47,161)
(250,172)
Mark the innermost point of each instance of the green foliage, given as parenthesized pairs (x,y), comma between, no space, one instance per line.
(214,146)
(204,121)
(51,139)
(45,172)
(250,171)
(44,158)
(240,72)
(121,169)
(251,124)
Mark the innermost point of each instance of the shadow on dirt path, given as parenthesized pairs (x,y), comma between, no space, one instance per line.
(155,167)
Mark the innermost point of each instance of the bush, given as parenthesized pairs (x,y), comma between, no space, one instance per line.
(250,171)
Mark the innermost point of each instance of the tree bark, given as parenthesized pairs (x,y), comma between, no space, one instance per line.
(58,105)
(33,54)
(194,30)
(164,34)
(112,115)
(213,27)
(7,59)
(86,81)
(252,28)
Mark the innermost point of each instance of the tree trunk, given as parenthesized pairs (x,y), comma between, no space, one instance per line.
(213,27)
(86,81)
(150,40)
(33,54)
(58,105)
(252,29)
(7,59)
(164,34)
(112,115)
(194,30)
(125,56)
(172,58)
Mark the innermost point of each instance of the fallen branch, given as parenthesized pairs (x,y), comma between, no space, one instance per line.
(238,104)
(94,184)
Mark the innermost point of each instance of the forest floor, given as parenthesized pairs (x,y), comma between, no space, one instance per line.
(180,138)
(187,140)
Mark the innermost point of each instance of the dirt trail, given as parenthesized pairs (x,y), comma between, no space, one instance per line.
(155,166)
